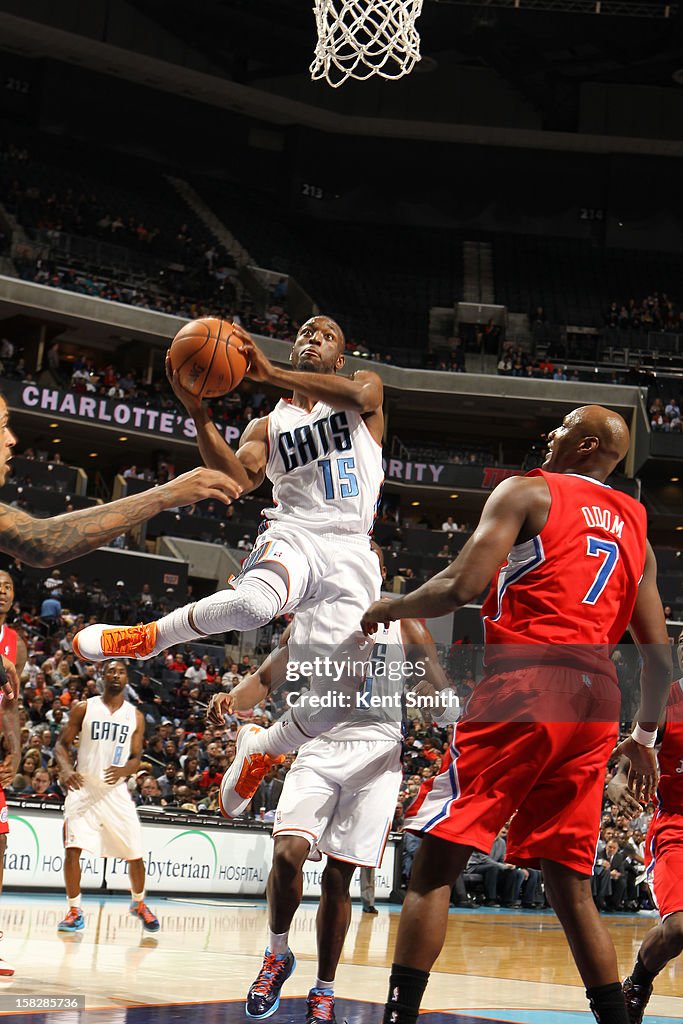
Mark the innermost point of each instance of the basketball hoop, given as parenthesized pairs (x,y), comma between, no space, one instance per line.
(361,38)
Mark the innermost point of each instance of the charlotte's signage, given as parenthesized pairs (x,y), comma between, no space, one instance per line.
(178,858)
(104,411)
(446,474)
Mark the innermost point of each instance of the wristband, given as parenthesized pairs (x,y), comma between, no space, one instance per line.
(644,737)
(451,708)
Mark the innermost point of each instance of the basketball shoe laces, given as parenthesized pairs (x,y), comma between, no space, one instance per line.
(256,768)
(145,913)
(268,975)
(321,1005)
(128,640)
(71,915)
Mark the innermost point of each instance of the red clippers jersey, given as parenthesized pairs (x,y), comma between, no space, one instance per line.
(8,643)
(670,755)
(577,581)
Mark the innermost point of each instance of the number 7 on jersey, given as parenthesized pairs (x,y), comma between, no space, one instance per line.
(610,549)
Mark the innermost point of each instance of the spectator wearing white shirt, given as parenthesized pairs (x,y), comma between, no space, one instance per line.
(449,526)
(196,673)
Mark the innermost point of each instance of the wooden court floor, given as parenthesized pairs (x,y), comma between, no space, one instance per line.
(496,966)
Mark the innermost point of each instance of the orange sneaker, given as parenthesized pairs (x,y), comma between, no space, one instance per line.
(246,772)
(99,642)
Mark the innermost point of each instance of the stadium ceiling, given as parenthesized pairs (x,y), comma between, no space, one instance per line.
(544,48)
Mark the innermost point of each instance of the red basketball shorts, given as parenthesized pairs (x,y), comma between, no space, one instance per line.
(4,814)
(547,774)
(664,862)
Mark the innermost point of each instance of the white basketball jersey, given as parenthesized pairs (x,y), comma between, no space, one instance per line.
(325,468)
(377,711)
(104,740)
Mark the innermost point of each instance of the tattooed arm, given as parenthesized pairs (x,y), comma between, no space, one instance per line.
(46,542)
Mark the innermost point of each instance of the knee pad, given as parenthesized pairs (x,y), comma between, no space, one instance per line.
(254,603)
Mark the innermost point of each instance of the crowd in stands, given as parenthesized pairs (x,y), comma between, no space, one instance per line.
(184,759)
(656,312)
(665,416)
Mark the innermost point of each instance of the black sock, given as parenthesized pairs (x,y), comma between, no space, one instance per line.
(640,974)
(406,988)
(607,1004)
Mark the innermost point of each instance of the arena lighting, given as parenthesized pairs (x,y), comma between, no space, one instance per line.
(679,527)
(92,455)
(53,425)
(454,495)
(123,439)
(675,479)
(56,440)
(415,503)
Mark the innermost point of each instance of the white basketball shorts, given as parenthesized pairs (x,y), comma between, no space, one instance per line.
(340,796)
(106,826)
(331,579)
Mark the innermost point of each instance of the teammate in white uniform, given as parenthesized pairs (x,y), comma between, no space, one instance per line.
(338,799)
(322,452)
(99,813)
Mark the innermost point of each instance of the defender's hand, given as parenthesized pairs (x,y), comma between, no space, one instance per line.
(378,612)
(643,774)
(200,484)
(9,680)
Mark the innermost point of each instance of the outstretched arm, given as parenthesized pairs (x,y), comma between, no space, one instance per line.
(431,681)
(46,542)
(255,686)
(246,466)
(362,393)
(503,517)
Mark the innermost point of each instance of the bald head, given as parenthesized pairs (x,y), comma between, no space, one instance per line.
(591,440)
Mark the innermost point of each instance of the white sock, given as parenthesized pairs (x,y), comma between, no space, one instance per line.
(284,736)
(278,944)
(257,600)
(175,628)
(329,985)
(137,897)
(75,903)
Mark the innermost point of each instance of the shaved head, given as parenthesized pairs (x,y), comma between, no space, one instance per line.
(591,440)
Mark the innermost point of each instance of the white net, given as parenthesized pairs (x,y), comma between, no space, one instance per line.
(361,38)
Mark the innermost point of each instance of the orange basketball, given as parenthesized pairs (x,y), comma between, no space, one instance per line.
(206,355)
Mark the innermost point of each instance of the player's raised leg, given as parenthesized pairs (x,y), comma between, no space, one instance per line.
(285,887)
(259,596)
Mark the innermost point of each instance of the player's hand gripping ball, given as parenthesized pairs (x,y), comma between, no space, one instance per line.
(207,356)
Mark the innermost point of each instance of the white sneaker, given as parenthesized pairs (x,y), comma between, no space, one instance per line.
(246,772)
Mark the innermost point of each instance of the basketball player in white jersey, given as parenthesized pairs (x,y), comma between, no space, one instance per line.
(99,813)
(338,799)
(321,450)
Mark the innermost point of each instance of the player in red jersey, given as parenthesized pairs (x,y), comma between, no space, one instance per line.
(538,730)
(13,648)
(663,852)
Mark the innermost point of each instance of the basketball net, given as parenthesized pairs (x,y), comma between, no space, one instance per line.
(361,38)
